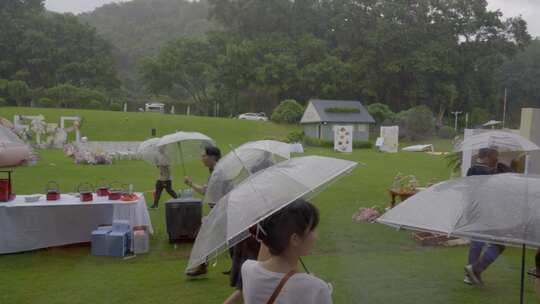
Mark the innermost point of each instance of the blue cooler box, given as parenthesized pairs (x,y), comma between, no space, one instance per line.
(118,243)
(100,242)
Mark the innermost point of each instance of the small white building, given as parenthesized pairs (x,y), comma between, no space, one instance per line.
(157,107)
(321,116)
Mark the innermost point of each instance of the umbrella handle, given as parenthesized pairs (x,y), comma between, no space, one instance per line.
(182,159)
(303,265)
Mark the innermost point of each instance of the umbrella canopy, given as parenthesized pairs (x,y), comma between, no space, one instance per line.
(500,140)
(181,147)
(238,164)
(503,208)
(149,152)
(259,196)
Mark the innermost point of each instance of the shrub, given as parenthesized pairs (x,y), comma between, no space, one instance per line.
(115,107)
(48,102)
(381,113)
(94,104)
(288,111)
(479,116)
(359,144)
(315,142)
(417,123)
(296,136)
(3,102)
(447,132)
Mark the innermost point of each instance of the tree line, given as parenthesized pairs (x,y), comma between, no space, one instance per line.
(224,57)
(445,54)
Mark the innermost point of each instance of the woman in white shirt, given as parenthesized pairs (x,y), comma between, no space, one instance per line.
(288,234)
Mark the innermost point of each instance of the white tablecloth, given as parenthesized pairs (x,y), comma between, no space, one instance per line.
(29,226)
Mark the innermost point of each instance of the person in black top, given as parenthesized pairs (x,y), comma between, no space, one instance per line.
(481,254)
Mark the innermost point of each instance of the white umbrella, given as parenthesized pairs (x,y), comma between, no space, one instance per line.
(259,196)
(180,147)
(500,140)
(149,152)
(238,164)
(502,208)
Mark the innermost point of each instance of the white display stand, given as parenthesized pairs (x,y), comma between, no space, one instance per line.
(530,129)
(390,139)
(343,139)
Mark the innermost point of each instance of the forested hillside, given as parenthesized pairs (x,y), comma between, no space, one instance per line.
(141,27)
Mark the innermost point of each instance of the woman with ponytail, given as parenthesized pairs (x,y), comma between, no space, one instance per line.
(288,234)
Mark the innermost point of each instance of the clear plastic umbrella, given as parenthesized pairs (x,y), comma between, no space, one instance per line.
(238,164)
(181,147)
(149,152)
(500,140)
(259,196)
(503,208)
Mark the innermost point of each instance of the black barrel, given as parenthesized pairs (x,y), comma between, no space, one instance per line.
(183,218)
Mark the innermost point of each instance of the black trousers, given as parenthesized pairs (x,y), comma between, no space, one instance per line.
(160,185)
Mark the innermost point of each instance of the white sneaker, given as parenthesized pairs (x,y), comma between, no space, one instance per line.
(475,278)
(467,280)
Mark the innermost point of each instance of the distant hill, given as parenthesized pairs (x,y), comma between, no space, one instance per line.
(140,28)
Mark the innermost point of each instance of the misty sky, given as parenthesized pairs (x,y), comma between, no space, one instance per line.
(529,9)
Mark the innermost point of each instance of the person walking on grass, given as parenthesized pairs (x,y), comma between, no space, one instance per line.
(209,158)
(164,180)
(482,254)
(289,234)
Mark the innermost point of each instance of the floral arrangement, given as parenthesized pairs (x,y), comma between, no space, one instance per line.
(405,183)
(85,156)
(366,214)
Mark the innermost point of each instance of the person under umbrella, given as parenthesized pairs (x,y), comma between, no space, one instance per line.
(260,196)
(239,164)
(164,181)
(209,159)
(496,209)
(482,254)
(289,234)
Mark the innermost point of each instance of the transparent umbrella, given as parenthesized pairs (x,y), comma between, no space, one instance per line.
(149,152)
(259,196)
(181,147)
(238,164)
(503,208)
(500,140)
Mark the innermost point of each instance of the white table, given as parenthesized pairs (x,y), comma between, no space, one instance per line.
(29,226)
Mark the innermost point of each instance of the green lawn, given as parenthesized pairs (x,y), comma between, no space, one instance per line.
(366,263)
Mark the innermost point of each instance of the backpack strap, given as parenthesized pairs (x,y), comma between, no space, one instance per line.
(278,289)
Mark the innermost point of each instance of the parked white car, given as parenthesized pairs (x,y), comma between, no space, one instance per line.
(253,116)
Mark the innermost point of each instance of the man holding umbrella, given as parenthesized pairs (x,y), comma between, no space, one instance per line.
(209,159)
(486,164)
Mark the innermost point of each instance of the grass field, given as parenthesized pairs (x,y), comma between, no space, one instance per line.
(366,263)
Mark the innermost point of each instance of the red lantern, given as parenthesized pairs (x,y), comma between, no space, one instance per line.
(53,191)
(5,188)
(85,192)
(102,189)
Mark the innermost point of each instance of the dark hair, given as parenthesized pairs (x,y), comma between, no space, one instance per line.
(485,152)
(213,151)
(299,217)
